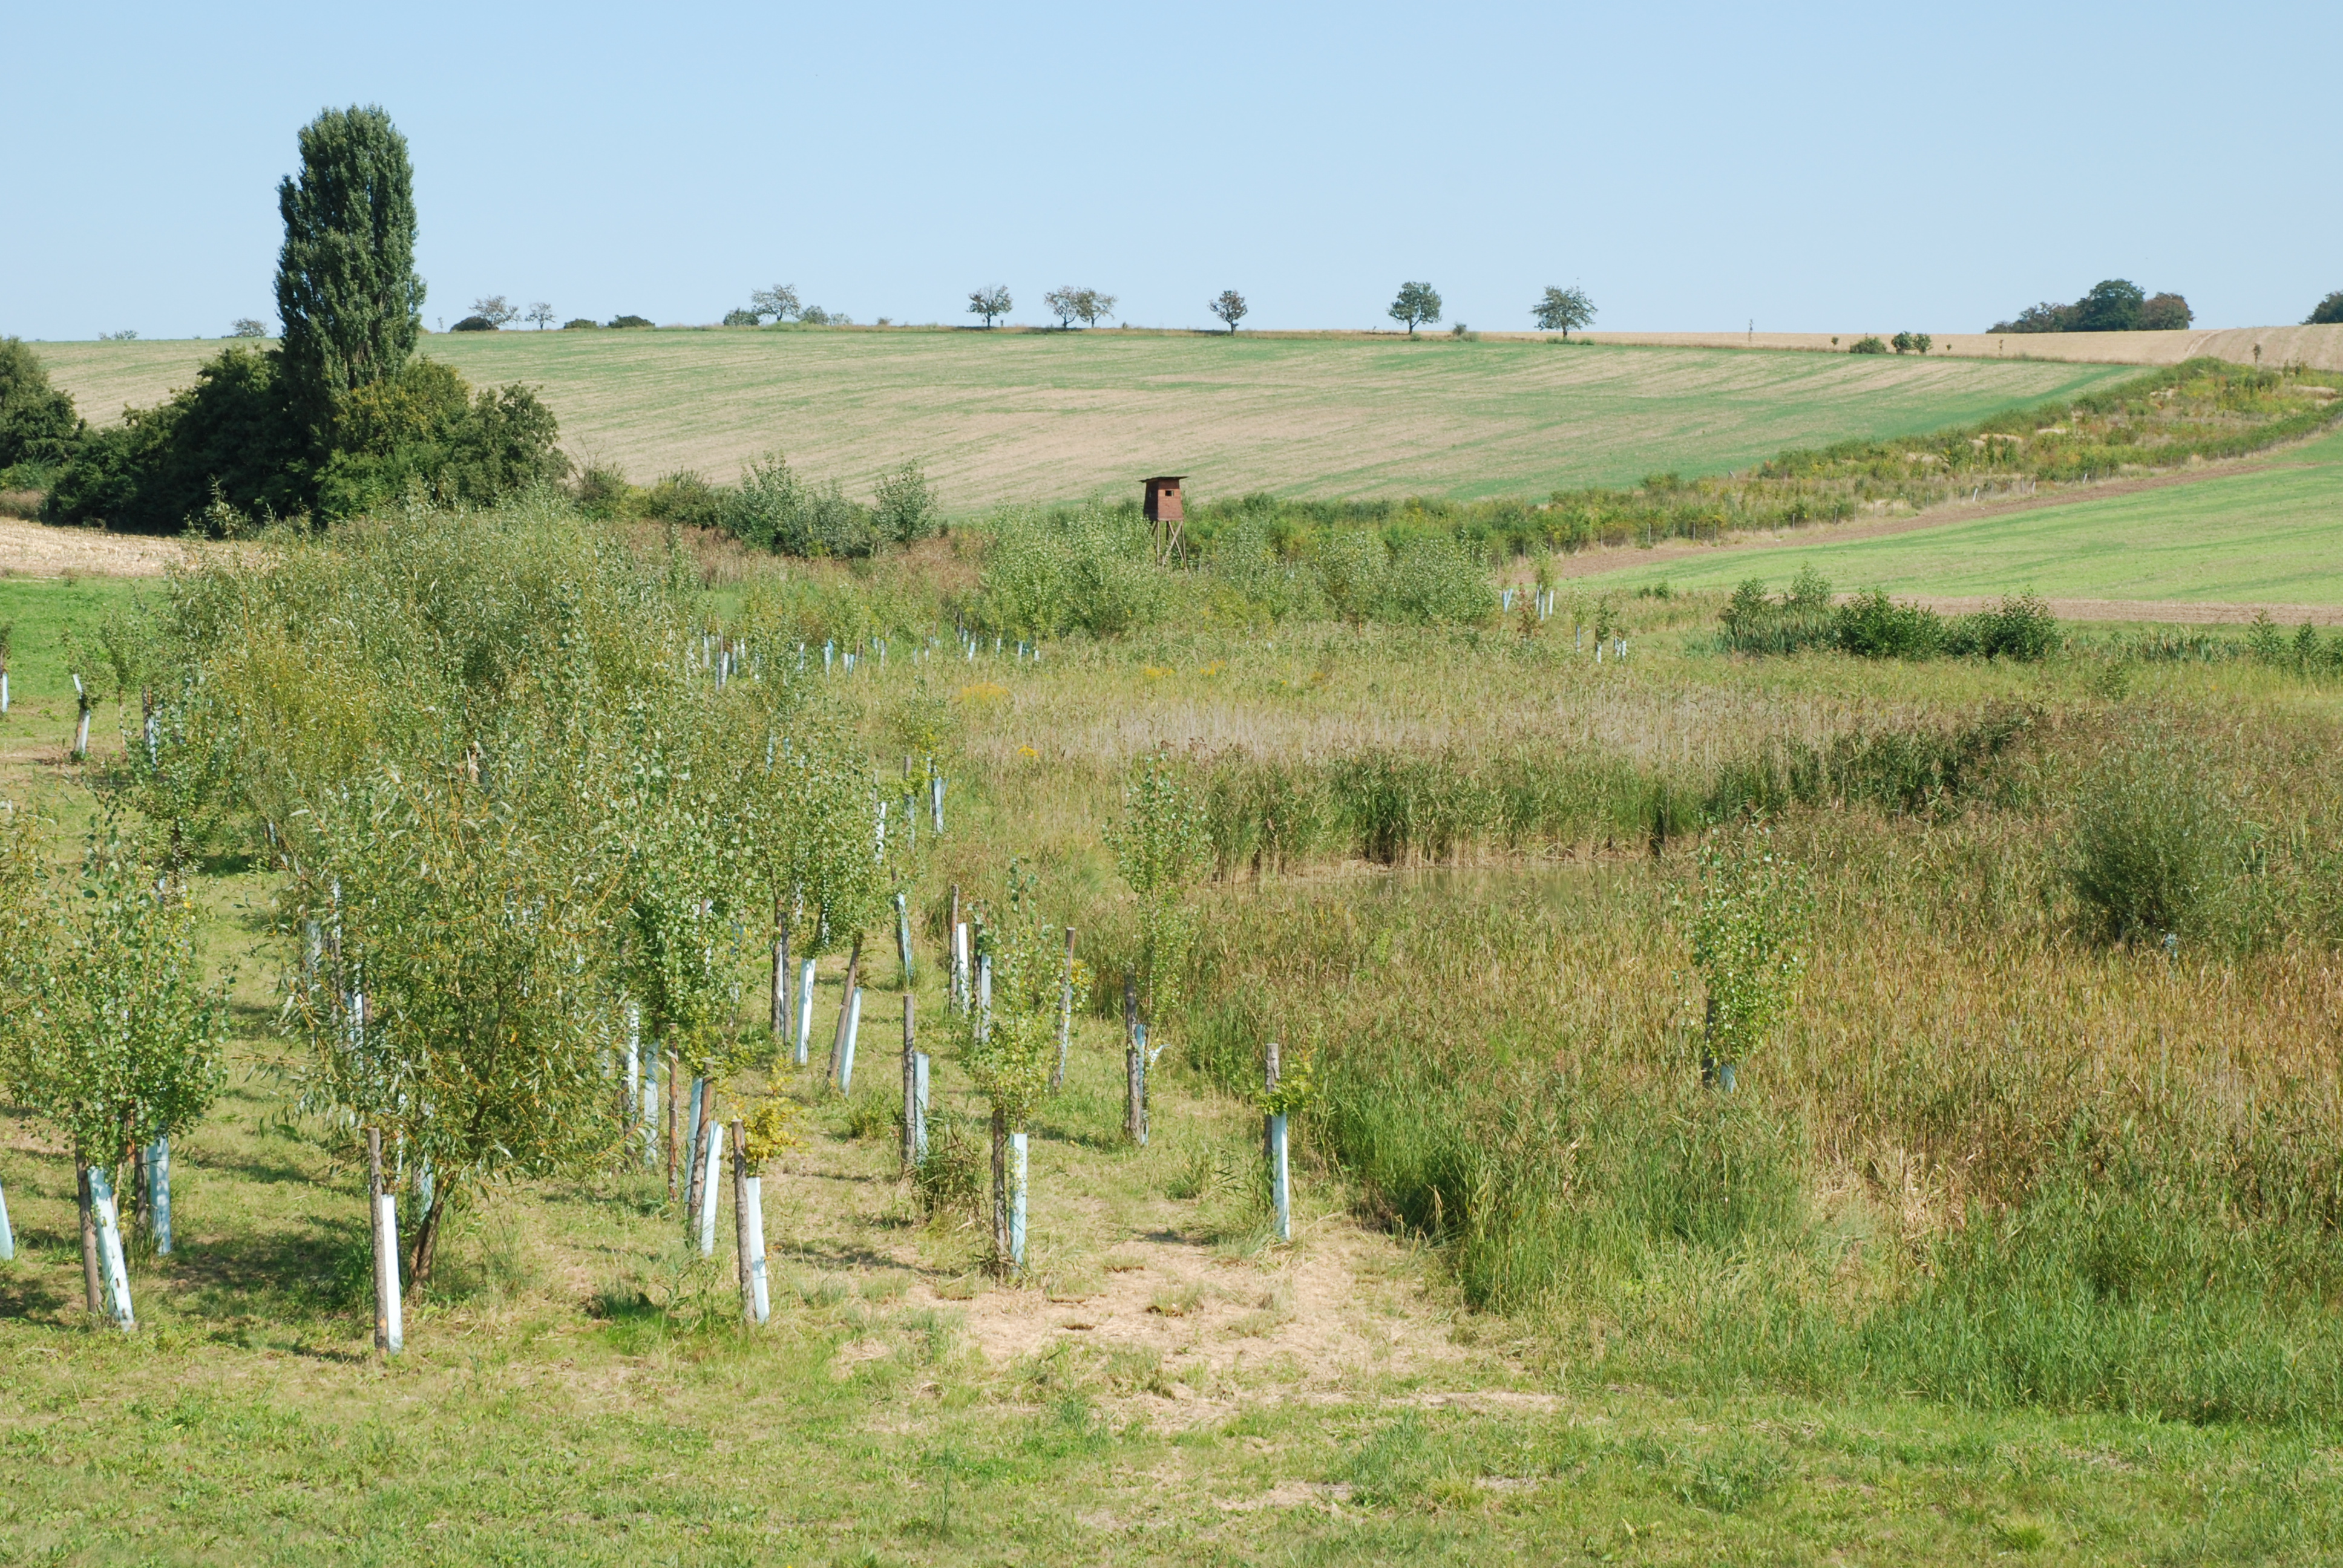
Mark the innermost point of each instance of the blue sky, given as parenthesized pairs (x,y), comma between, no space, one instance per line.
(1693,166)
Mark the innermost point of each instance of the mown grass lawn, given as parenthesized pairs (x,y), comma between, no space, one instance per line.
(2272,533)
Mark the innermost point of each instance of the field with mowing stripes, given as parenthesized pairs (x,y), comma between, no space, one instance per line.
(2271,532)
(1017,416)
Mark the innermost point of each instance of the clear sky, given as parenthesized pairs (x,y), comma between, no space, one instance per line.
(1818,168)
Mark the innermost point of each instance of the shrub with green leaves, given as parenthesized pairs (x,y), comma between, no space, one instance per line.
(1162,848)
(1748,935)
(1010,1046)
(1087,568)
(459,997)
(117,1039)
(2155,845)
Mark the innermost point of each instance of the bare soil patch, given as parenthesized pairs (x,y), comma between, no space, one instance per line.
(40,550)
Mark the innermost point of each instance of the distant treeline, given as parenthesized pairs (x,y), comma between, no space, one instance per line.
(2114,305)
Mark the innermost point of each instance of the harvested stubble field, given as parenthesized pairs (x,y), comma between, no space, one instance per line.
(2264,531)
(2010,1243)
(1012,416)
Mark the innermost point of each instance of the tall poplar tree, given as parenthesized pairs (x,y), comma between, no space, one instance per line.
(346,290)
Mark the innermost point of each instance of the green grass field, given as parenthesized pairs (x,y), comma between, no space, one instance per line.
(1017,415)
(1650,1325)
(2273,534)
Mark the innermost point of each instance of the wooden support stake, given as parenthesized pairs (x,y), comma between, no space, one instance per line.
(780,975)
(674,1066)
(89,1283)
(1065,1017)
(709,1165)
(374,1220)
(903,937)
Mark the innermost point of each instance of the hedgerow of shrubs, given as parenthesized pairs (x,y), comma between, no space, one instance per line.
(1870,625)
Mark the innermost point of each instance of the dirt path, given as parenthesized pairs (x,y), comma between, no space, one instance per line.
(40,550)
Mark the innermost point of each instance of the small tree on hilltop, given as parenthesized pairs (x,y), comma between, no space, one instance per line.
(1093,307)
(2328,312)
(1232,308)
(1065,303)
(494,310)
(990,301)
(779,302)
(541,315)
(1418,305)
(248,327)
(1560,310)
(346,290)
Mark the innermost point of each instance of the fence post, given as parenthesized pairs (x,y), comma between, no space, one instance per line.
(910,1089)
(984,996)
(1065,1017)
(749,1223)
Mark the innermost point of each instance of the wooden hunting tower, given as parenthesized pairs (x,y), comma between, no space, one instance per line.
(1161,507)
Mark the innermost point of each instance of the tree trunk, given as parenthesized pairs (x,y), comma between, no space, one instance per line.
(426,1233)
(781,974)
(845,1004)
(89,1283)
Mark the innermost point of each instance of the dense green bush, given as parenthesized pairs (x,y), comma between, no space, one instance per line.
(232,445)
(905,507)
(474,324)
(1087,568)
(1870,625)
(626,321)
(1868,343)
(38,427)
(419,432)
(231,440)
(773,509)
(2155,845)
